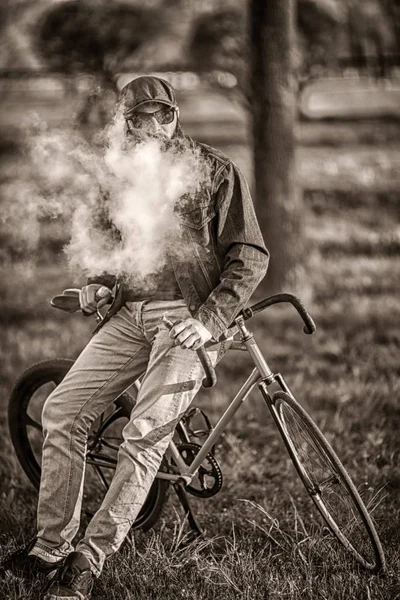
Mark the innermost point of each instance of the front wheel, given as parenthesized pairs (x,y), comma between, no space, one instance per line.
(24,418)
(328,482)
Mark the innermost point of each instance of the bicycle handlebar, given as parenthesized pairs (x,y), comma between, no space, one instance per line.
(69,301)
(309,325)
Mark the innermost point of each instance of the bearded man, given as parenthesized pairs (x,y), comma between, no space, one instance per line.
(225,259)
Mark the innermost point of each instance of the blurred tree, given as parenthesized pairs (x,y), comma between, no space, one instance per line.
(168,49)
(320,24)
(220,40)
(326,30)
(371,34)
(392,8)
(100,38)
(93,38)
(17,22)
(273,102)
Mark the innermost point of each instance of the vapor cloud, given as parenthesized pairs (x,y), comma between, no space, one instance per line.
(117,199)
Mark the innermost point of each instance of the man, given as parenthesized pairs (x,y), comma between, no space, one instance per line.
(224,262)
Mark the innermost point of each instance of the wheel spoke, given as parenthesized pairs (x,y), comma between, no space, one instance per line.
(32,423)
(100,476)
(328,483)
(101,458)
(107,444)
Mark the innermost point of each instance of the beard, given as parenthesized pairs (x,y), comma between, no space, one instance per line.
(178,143)
(140,136)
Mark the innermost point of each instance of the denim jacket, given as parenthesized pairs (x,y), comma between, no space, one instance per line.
(227,254)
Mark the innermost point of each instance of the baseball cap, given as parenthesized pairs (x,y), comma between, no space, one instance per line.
(146,89)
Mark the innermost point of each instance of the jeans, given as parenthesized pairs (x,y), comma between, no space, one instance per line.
(133,342)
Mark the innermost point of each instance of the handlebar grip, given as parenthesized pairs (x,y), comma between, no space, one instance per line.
(210,375)
(309,325)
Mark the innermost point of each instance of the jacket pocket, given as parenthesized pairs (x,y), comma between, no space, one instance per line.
(198,217)
(197,228)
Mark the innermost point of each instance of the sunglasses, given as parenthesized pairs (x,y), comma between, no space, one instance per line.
(164,116)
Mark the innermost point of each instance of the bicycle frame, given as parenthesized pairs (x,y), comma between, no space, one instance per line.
(261,375)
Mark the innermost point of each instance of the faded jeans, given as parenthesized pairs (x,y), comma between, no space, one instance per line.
(133,342)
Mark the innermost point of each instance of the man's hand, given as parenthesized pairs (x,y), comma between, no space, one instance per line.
(190,333)
(93,296)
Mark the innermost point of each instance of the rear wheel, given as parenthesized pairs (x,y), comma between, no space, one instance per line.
(24,417)
(328,483)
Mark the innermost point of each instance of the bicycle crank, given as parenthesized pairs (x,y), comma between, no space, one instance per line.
(208,480)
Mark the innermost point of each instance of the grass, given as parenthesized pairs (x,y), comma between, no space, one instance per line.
(263,538)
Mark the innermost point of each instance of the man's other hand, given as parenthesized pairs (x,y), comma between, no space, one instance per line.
(190,333)
(93,296)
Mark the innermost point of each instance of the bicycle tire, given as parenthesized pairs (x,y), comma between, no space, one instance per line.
(52,372)
(327,481)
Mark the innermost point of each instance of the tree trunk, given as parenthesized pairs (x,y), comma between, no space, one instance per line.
(273,91)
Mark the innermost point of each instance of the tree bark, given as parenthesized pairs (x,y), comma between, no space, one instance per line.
(273,98)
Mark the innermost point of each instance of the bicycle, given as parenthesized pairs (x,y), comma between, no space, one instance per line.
(192,468)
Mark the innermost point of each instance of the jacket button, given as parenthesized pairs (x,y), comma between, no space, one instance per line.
(192,307)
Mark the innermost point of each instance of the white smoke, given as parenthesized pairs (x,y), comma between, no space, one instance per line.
(118,200)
